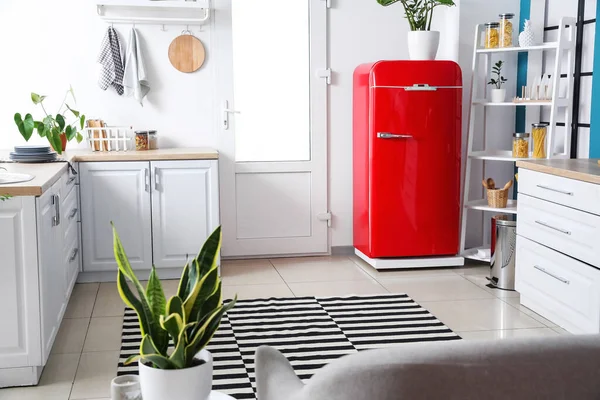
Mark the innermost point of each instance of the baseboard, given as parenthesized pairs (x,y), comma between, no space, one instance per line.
(111,276)
(342,250)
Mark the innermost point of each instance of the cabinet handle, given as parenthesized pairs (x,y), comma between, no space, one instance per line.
(71,180)
(555,190)
(542,223)
(73,255)
(73,213)
(558,278)
(56,203)
(147,179)
(156,179)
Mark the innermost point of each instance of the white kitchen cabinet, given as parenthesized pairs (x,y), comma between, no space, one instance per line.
(557,261)
(185,209)
(163,211)
(117,192)
(20,344)
(36,278)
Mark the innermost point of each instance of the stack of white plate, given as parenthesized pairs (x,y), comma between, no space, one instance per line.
(33,154)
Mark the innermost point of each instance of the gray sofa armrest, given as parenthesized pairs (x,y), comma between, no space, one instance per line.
(275,377)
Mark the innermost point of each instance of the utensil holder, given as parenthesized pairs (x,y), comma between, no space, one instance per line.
(497,198)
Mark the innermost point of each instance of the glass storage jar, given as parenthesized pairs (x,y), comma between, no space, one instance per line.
(506,30)
(539,132)
(520,145)
(152,140)
(492,36)
(142,140)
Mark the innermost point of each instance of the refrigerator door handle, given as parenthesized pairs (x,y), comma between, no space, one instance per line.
(387,135)
(420,88)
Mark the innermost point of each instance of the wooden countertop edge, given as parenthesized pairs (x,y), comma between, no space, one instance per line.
(558,171)
(163,155)
(132,156)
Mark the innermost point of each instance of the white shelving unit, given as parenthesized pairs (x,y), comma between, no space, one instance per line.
(482,62)
(166,12)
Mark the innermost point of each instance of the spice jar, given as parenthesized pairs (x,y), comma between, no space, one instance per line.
(539,131)
(152,140)
(141,140)
(492,37)
(506,30)
(520,145)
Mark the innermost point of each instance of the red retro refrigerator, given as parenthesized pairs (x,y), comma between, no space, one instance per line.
(407,160)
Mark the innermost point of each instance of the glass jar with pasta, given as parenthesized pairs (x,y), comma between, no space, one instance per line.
(520,145)
(492,37)
(506,30)
(539,132)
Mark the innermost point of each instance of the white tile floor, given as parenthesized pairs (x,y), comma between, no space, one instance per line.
(84,357)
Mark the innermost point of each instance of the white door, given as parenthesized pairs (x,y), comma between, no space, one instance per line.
(51,267)
(117,192)
(273,154)
(185,209)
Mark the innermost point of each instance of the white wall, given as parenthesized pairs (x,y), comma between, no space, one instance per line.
(58,46)
(362,31)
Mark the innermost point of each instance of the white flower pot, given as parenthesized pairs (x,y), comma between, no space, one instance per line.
(183,384)
(498,95)
(423,45)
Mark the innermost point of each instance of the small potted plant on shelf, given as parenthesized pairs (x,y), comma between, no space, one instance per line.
(53,127)
(423,43)
(188,320)
(498,92)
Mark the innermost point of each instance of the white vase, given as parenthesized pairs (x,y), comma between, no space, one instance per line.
(423,45)
(498,95)
(182,384)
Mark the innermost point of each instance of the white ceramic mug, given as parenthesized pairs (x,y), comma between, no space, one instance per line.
(126,387)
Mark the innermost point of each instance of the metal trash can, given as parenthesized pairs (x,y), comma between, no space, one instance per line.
(504,240)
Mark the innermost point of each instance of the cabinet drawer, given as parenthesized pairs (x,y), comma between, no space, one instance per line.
(569,231)
(568,192)
(68,183)
(567,290)
(70,212)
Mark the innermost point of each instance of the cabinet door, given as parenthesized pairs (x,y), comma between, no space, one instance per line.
(185,209)
(19,291)
(117,192)
(52,268)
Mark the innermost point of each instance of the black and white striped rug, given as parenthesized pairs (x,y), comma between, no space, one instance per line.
(309,331)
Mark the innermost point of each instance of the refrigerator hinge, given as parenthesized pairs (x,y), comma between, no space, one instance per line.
(327,3)
(325,73)
(325,217)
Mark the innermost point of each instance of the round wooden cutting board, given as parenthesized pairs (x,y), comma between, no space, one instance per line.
(187,53)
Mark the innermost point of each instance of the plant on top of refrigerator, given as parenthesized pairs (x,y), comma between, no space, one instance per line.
(419,13)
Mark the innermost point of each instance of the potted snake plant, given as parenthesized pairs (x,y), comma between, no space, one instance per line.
(187,320)
(423,43)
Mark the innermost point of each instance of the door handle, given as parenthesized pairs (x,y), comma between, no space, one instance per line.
(73,255)
(555,190)
(226,112)
(558,278)
(387,135)
(147,179)
(542,223)
(156,179)
(56,203)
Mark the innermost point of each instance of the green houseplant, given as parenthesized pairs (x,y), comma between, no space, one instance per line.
(188,320)
(498,93)
(52,127)
(423,43)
